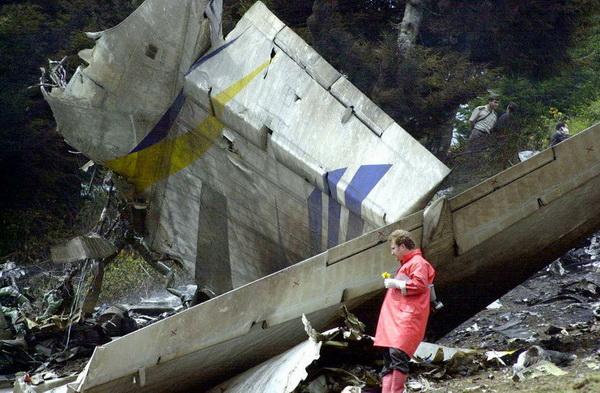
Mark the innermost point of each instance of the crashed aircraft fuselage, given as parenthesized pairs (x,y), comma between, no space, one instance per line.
(250,157)
(257,155)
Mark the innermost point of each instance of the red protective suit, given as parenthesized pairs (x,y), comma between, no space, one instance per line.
(403,318)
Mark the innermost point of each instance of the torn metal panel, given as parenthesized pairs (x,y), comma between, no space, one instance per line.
(295,179)
(433,353)
(287,371)
(83,247)
(263,317)
(290,180)
(214,12)
(109,107)
(282,374)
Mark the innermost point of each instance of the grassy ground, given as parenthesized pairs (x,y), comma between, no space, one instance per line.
(129,278)
(579,378)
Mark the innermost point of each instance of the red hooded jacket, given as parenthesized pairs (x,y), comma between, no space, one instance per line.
(403,317)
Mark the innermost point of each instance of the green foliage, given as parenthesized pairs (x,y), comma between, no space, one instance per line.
(37,173)
(29,230)
(524,37)
(128,278)
(294,13)
(571,94)
(585,116)
(422,90)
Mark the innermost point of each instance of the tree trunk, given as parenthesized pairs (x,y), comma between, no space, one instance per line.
(411,22)
(322,11)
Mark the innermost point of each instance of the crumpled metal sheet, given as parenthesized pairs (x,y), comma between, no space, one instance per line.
(282,374)
(135,72)
(233,153)
(538,361)
(82,247)
(434,353)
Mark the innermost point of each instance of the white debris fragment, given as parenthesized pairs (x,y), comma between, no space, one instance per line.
(498,355)
(281,374)
(494,305)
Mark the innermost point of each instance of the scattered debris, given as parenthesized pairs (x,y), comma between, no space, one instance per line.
(50,339)
(498,355)
(527,154)
(537,354)
(9,273)
(494,305)
(80,248)
(116,321)
(418,385)
(515,330)
(548,321)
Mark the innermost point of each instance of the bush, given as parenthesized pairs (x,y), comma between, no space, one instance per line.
(128,278)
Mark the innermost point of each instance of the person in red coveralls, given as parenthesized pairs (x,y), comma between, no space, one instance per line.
(404,312)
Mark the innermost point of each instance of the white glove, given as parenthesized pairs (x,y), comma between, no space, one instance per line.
(395,283)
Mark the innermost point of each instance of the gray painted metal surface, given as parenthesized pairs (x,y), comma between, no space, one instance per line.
(281,374)
(239,329)
(264,128)
(251,156)
(82,247)
(135,71)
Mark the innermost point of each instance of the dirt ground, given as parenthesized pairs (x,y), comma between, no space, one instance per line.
(558,309)
(578,379)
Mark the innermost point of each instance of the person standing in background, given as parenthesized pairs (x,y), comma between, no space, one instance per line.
(506,121)
(483,118)
(561,132)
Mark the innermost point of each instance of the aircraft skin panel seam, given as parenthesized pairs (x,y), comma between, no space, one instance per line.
(143,167)
(499,187)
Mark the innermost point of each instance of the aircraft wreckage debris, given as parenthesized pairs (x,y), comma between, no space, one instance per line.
(231,168)
(343,359)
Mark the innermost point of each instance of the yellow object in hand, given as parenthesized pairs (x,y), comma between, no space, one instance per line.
(386,275)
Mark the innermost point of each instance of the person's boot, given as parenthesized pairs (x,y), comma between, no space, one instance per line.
(398,380)
(386,383)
